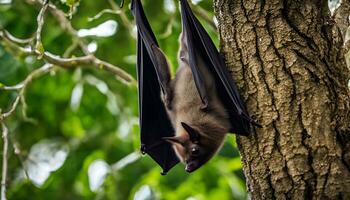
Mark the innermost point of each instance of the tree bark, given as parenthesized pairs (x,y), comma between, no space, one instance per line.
(287,59)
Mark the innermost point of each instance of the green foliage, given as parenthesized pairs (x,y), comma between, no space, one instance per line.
(95,114)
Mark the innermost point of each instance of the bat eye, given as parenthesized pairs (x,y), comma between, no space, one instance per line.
(195,150)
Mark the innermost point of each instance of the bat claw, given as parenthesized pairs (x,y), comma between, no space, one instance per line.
(143,149)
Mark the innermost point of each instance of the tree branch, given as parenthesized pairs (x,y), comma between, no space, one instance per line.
(4,33)
(4,160)
(21,88)
(102,12)
(26,46)
(85,61)
(34,46)
(127,23)
(40,22)
(204,15)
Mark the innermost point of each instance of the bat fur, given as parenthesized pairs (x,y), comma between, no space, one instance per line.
(186,106)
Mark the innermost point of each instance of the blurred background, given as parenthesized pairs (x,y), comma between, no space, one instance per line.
(74,134)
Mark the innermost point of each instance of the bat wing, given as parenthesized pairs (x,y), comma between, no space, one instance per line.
(153,76)
(203,54)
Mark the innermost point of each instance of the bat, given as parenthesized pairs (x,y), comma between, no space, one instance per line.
(185,118)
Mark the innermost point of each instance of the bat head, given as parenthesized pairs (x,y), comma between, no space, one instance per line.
(191,148)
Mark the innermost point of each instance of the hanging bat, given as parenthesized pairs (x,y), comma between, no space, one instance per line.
(185,118)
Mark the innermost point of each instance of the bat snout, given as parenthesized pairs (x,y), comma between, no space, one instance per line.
(191,167)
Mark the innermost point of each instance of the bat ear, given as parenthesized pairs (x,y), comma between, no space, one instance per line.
(194,135)
(175,140)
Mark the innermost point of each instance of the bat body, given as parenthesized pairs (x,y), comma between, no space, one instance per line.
(186,118)
(185,110)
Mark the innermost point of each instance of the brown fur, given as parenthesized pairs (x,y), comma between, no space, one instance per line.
(185,106)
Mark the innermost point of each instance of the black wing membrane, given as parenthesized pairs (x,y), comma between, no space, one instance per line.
(203,54)
(154,121)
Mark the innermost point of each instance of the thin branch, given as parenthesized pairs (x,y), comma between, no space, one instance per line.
(12,109)
(113,4)
(105,11)
(21,88)
(117,11)
(125,20)
(18,152)
(204,15)
(4,160)
(341,16)
(24,111)
(40,22)
(33,46)
(87,60)
(169,28)
(4,33)
(132,157)
(84,61)
(65,24)
(70,49)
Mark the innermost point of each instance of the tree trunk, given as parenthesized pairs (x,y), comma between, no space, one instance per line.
(287,58)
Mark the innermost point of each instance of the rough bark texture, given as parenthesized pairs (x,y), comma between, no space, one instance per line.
(287,60)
